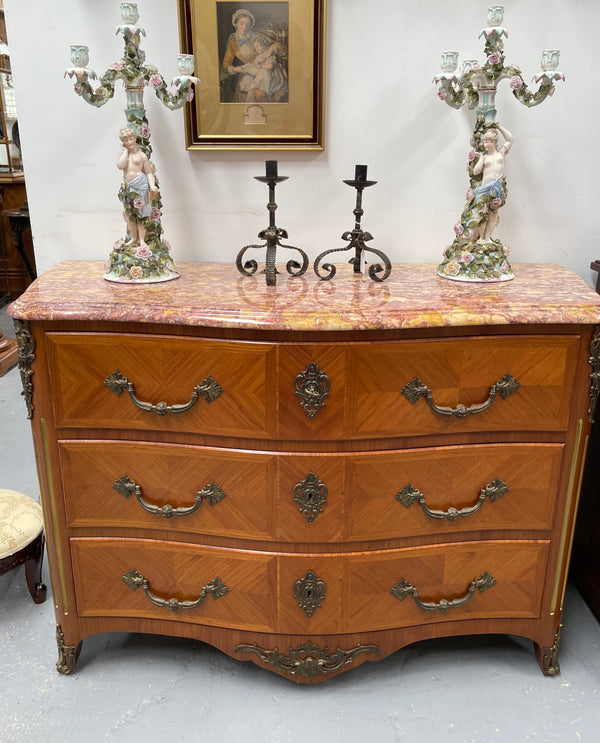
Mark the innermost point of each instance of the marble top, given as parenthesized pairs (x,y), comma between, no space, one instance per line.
(216,295)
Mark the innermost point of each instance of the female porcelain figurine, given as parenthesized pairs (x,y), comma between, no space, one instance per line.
(474,255)
(139,176)
(493,182)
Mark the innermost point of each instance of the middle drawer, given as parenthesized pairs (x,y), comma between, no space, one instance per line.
(309,498)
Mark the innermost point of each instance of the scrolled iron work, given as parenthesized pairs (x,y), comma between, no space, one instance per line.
(272,236)
(492,492)
(211,493)
(216,588)
(416,389)
(312,387)
(403,589)
(208,389)
(311,495)
(307,660)
(309,592)
(594,362)
(26,352)
(357,239)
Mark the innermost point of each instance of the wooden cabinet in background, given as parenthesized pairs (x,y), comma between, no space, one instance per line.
(17,261)
(585,567)
(310,475)
(16,244)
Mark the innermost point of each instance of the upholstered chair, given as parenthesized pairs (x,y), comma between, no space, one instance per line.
(22,539)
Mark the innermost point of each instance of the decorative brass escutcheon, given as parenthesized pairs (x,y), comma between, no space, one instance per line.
(594,362)
(307,660)
(403,588)
(492,491)
(26,354)
(208,389)
(416,389)
(312,387)
(216,588)
(311,495)
(67,654)
(211,493)
(550,663)
(309,592)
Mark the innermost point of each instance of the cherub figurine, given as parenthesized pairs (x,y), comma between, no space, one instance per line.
(138,174)
(142,256)
(493,182)
(474,255)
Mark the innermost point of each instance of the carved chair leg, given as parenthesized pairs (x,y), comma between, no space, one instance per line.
(33,572)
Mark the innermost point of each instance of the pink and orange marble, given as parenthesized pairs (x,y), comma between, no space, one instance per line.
(216,295)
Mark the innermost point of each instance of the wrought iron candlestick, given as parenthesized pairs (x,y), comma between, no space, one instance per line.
(474,255)
(143,255)
(357,238)
(272,236)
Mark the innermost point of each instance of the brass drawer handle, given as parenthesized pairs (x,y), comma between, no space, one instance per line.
(211,493)
(416,389)
(492,491)
(216,588)
(208,389)
(403,588)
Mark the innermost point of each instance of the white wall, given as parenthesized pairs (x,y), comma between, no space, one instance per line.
(381,109)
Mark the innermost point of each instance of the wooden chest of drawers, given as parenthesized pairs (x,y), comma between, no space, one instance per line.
(310,475)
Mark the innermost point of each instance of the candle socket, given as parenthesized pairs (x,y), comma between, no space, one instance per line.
(360,173)
(272,235)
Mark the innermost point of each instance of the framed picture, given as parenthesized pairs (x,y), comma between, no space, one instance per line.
(262,67)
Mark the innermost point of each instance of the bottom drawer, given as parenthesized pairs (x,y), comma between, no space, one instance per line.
(174,571)
(309,593)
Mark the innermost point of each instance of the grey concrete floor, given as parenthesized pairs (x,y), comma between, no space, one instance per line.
(129,688)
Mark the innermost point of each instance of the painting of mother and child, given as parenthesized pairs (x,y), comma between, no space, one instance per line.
(253,51)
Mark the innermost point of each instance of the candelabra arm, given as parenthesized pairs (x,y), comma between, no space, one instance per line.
(184,91)
(456,93)
(452,96)
(103,93)
(531,98)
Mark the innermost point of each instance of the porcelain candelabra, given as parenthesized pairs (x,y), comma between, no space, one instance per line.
(143,255)
(474,255)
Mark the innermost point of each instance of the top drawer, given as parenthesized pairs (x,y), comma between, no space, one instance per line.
(366,382)
(162,370)
(318,391)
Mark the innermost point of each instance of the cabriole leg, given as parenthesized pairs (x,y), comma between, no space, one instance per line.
(67,654)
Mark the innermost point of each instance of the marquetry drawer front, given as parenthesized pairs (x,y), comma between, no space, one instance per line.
(445,490)
(417,492)
(135,485)
(309,593)
(360,592)
(411,388)
(174,582)
(162,383)
(310,498)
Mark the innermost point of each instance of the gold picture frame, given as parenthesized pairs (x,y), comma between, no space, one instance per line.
(262,67)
